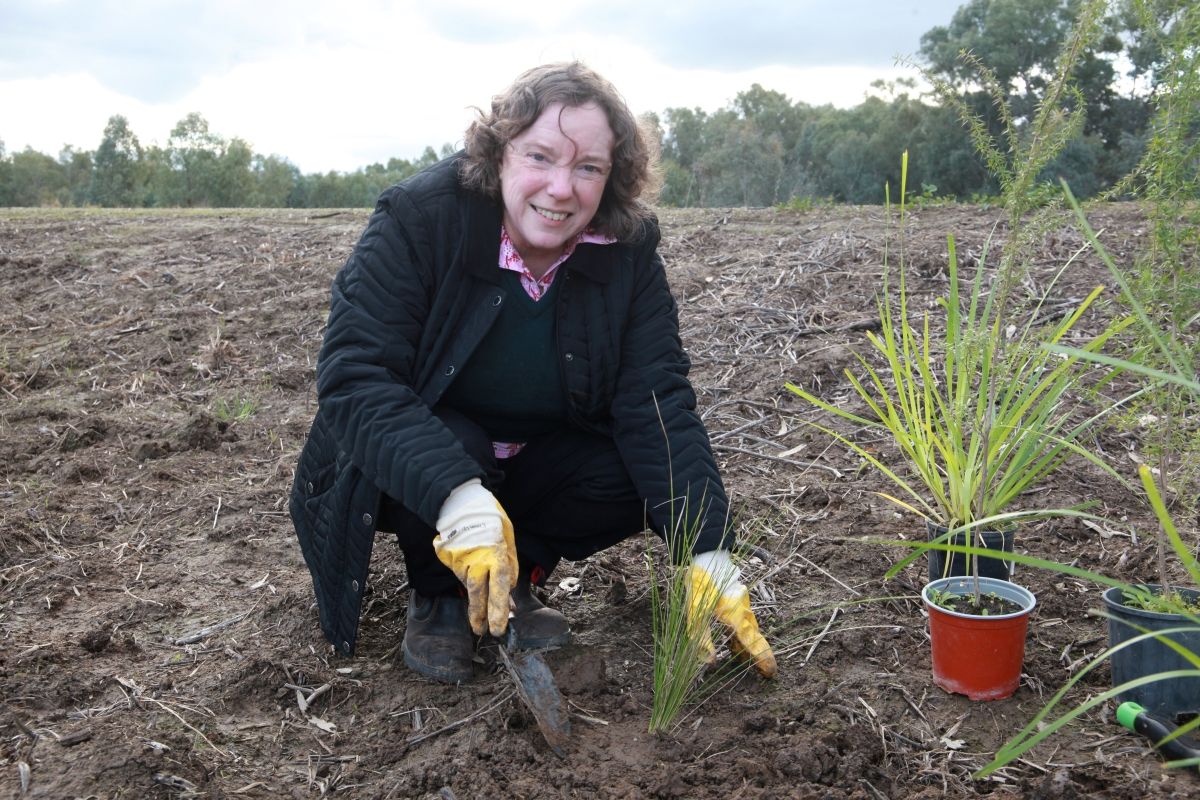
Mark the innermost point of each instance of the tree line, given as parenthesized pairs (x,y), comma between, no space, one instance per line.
(760,149)
(197,169)
(764,149)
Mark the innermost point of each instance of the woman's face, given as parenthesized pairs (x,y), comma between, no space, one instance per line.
(552,178)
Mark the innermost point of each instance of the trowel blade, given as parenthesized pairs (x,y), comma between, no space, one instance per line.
(535,684)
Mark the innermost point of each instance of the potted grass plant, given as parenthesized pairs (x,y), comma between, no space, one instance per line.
(1168,609)
(1154,654)
(978,417)
(983,412)
(1167,353)
(1154,629)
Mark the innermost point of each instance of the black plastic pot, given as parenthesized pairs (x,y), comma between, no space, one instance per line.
(1172,698)
(960,563)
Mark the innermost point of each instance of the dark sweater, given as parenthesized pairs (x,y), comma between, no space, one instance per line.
(512,384)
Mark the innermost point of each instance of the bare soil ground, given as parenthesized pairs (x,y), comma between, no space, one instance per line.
(158,636)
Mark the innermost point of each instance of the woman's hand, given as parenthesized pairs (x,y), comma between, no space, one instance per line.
(715,587)
(475,540)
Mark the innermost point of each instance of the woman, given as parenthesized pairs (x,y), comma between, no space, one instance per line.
(502,385)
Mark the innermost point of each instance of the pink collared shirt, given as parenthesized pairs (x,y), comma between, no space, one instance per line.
(536,288)
(510,259)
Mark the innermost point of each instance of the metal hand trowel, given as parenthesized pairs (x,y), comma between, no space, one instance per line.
(537,690)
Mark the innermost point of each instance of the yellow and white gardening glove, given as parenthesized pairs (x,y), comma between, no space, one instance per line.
(475,540)
(715,587)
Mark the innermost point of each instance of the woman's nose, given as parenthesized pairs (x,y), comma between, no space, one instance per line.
(560,182)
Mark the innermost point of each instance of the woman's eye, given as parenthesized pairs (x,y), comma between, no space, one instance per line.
(538,157)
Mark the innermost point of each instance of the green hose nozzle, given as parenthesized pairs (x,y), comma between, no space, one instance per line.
(1137,719)
(1127,714)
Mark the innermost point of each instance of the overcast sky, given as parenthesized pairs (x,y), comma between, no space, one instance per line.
(339,85)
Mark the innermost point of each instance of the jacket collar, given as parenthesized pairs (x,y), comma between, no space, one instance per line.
(482,229)
(596,262)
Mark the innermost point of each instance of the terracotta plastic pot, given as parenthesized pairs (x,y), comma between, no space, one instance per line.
(977,656)
(1173,698)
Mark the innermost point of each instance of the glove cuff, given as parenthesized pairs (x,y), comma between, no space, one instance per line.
(725,575)
(463,498)
(470,517)
(458,495)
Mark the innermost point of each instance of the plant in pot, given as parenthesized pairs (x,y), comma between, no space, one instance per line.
(1162,287)
(978,418)
(1155,658)
(1178,36)
(1154,644)
(1166,608)
(1154,628)
(982,413)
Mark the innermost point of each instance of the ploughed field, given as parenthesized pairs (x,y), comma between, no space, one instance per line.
(157,632)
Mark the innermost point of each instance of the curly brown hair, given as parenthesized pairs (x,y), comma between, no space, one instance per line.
(634,173)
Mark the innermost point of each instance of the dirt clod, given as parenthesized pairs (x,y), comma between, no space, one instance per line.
(585,673)
(95,641)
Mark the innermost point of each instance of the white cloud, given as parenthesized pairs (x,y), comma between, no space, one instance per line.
(341,86)
(47,113)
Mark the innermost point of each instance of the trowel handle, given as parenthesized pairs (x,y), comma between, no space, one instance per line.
(1136,718)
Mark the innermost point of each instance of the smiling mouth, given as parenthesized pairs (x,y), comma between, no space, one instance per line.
(553,216)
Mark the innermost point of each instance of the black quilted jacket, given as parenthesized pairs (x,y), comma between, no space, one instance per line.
(417,294)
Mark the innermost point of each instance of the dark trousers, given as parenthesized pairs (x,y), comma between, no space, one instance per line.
(567,494)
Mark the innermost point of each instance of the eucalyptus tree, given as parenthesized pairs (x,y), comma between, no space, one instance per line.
(77,168)
(116,169)
(193,153)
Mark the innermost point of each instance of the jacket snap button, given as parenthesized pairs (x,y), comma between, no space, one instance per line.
(497,300)
(354,585)
(569,356)
(367,519)
(308,487)
(345,647)
(449,370)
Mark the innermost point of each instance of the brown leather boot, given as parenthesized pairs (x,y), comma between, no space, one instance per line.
(438,642)
(533,626)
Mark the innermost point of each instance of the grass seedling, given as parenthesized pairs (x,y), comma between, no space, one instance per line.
(238,409)
(683,618)
(680,650)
